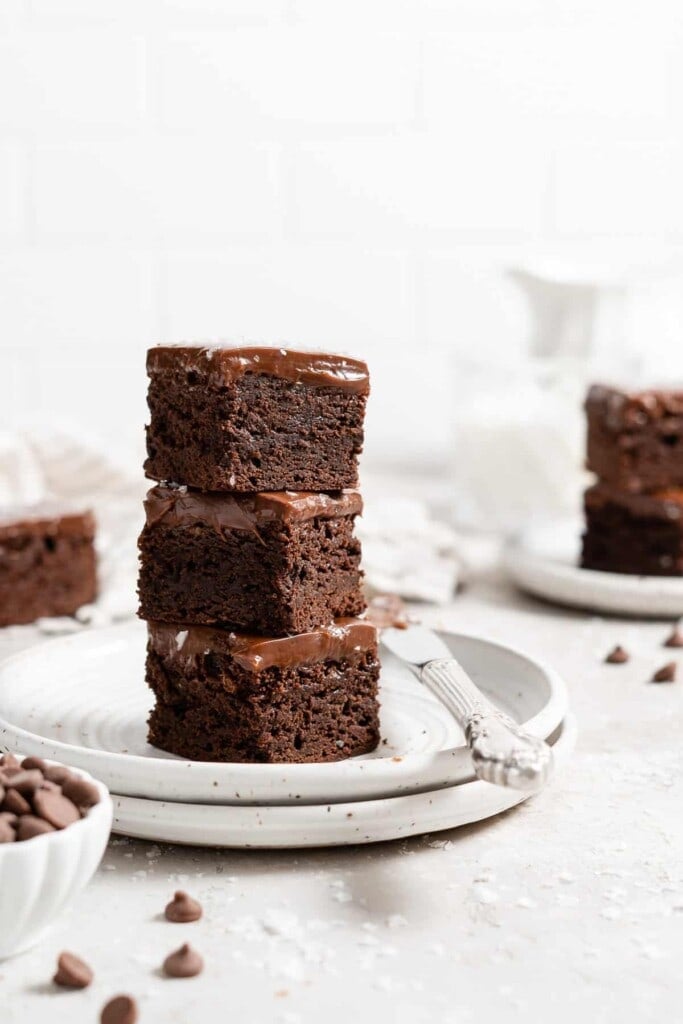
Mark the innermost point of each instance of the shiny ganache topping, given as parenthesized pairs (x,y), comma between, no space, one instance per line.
(343,640)
(178,507)
(318,369)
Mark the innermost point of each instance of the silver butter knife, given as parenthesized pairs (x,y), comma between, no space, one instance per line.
(502,753)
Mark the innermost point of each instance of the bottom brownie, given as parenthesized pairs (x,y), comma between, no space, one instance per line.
(47,562)
(641,534)
(223,696)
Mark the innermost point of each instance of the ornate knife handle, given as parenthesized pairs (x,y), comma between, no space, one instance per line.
(502,753)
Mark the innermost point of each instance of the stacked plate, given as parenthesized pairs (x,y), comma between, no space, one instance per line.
(82,700)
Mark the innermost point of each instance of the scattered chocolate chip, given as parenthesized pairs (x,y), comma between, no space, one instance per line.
(28,827)
(183,909)
(55,808)
(183,963)
(58,773)
(15,803)
(34,762)
(7,833)
(617,656)
(120,1010)
(25,782)
(666,674)
(80,792)
(675,638)
(72,972)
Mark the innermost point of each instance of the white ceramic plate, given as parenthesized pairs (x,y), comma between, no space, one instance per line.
(83,700)
(344,824)
(544,562)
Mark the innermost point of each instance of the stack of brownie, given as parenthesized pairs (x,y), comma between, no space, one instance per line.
(249,576)
(634,513)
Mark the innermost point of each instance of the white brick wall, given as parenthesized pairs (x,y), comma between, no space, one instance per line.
(356,175)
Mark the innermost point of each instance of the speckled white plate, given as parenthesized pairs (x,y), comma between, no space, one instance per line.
(83,700)
(544,561)
(342,824)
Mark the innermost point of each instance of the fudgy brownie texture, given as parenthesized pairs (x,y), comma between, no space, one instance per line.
(640,534)
(271,563)
(47,562)
(254,419)
(635,439)
(222,696)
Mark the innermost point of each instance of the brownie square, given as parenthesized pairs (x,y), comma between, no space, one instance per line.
(635,439)
(254,419)
(633,533)
(223,696)
(271,563)
(47,562)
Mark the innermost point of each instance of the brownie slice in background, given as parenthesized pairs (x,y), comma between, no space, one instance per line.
(640,534)
(254,419)
(635,438)
(223,696)
(47,562)
(271,563)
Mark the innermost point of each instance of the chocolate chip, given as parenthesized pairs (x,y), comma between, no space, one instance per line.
(72,972)
(25,782)
(617,656)
(34,762)
(184,963)
(7,833)
(15,803)
(55,808)
(58,773)
(28,827)
(666,674)
(120,1010)
(81,792)
(182,909)
(675,638)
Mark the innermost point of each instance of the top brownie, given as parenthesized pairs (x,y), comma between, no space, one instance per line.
(254,419)
(635,438)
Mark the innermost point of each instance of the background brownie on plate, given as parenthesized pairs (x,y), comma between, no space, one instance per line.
(633,533)
(254,419)
(223,696)
(635,438)
(47,562)
(271,563)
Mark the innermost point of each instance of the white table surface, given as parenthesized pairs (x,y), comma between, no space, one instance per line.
(569,908)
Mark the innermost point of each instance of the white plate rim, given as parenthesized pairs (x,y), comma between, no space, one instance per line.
(564,582)
(362,778)
(319,825)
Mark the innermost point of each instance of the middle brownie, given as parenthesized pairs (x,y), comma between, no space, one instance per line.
(272,563)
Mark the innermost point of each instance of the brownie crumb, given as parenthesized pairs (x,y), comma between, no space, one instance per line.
(617,656)
(666,674)
(675,638)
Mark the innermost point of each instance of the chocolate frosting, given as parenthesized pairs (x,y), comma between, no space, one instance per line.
(662,504)
(342,640)
(229,364)
(51,517)
(628,410)
(178,506)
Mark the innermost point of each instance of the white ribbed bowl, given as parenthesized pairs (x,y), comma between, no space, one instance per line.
(40,876)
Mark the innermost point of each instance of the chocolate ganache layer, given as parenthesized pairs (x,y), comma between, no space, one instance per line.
(178,506)
(228,364)
(343,640)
